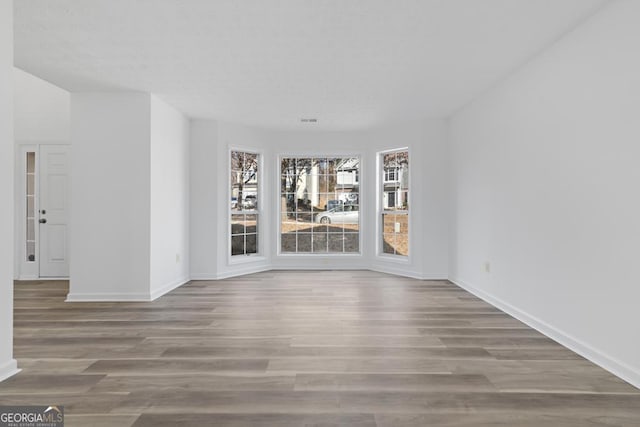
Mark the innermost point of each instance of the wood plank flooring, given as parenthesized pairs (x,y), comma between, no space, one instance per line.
(352,348)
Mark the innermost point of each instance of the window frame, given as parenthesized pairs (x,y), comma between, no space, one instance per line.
(381,179)
(278,219)
(259,212)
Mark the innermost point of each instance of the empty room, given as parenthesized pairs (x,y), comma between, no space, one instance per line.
(319,212)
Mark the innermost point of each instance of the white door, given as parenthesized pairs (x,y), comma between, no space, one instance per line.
(54,211)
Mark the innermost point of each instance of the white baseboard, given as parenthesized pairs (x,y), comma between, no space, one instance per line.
(600,358)
(258,269)
(239,271)
(203,276)
(126,297)
(108,297)
(168,288)
(9,369)
(41,279)
(398,271)
(317,268)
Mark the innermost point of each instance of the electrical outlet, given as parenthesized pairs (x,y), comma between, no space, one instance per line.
(177,258)
(487,267)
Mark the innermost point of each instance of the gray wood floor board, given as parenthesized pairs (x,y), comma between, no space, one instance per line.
(292,348)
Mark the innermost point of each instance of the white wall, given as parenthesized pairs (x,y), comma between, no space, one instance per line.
(41,110)
(429,184)
(203,158)
(110,196)
(210,143)
(169,224)
(545,171)
(41,116)
(238,136)
(8,365)
(208,195)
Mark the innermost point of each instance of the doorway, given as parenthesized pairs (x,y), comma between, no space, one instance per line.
(43,214)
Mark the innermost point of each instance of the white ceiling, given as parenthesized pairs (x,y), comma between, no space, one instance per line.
(350,63)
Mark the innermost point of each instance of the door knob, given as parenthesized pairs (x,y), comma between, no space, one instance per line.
(43,221)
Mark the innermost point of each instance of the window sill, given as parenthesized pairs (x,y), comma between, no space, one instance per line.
(320,255)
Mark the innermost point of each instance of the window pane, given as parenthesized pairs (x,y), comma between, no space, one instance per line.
(323,165)
(31,210)
(402,244)
(252,244)
(31,251)
(389,164)
(288,242)
(304,242)
(323,202)
(31,162)
(324,195)
(332,182)
(320,228)
(351,242)
(336,242)
(401,224)
(303,203)
(388,243)
(288,222)
(251,224)
(31,230)
(237,160)
(234,181)
(303,222)
(388,223)
(320,242)
(30,236)
(237,224)
(244,180)
(250,202)
(287,183)
(251,162)
(31,186)
(237,245)
(394,197)
(288,166)
(287,202)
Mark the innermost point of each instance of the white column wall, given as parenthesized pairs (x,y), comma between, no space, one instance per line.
(169,214)
(8,365)
(203,160)
(545,188)
(110,196)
